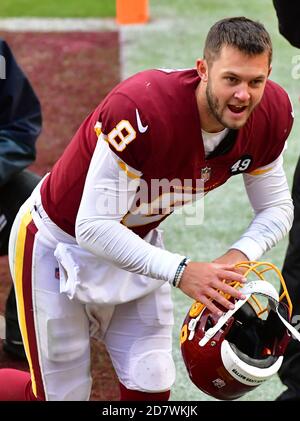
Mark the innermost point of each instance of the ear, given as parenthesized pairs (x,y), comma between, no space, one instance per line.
(202,69)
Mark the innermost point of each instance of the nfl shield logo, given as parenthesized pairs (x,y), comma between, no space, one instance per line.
(205,174)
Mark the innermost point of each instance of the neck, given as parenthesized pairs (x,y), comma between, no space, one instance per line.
(208,122)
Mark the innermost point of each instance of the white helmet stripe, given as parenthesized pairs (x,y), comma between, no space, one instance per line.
(222,320)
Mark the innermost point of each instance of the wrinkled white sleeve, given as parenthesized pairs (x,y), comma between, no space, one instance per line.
(107,196)
(271,201)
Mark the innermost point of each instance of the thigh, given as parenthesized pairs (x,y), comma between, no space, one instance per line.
(55,330)
(139,341)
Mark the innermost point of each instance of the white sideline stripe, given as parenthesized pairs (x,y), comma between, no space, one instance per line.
(58,24)
(2,327)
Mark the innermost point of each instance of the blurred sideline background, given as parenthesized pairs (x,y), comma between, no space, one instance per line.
(173,38)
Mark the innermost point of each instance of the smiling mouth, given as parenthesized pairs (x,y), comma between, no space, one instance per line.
(237,109)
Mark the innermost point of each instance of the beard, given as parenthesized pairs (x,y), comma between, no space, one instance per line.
(215,111)
(213,105)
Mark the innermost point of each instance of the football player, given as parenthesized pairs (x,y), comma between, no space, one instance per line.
(288,18)
(85,252)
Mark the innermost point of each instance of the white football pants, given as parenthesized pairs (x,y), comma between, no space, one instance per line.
(56,329)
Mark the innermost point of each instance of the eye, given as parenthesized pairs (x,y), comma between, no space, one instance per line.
(231,79)
(256,83)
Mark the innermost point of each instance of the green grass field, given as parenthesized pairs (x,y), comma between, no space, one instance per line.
(57,8)
(174,38)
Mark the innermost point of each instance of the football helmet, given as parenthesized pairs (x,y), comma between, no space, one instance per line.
(231,355)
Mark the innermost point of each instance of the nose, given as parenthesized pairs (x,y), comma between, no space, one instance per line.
(242,94)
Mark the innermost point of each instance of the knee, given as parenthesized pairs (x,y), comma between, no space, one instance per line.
(151,372)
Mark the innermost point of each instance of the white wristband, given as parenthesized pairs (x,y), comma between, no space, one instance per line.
(179,272)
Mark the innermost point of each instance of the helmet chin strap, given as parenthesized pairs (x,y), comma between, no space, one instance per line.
(275,306)
(258,287)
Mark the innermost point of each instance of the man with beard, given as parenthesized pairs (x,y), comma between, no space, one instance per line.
(85,251)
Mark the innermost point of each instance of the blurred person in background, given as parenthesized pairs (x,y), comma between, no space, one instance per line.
(288,14)
(20,125)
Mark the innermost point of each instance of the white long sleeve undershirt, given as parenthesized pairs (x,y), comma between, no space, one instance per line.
(106,199)
(271,201)
(109,192)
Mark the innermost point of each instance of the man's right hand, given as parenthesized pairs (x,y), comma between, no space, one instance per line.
(201,281)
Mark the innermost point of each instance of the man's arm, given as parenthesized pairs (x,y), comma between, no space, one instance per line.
(271,201)
(20,118)
(106,199)
(107,196)
(288,14)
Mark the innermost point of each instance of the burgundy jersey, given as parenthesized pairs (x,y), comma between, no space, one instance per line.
(151,122)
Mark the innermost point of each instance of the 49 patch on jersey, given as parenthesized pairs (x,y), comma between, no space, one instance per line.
(241,165)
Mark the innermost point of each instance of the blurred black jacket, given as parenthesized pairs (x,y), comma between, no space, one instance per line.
(288,14)
(20,117)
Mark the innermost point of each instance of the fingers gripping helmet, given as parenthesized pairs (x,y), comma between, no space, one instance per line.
(229,356)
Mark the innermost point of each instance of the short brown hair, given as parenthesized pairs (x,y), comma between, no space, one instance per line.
(246,35)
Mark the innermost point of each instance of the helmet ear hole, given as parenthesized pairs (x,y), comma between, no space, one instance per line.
(209,323)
